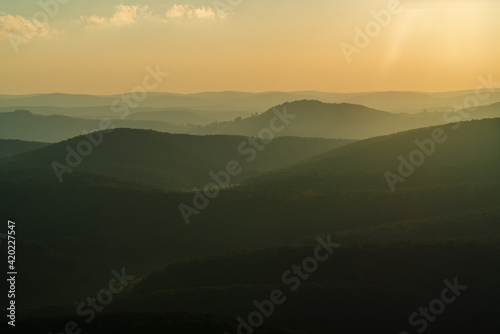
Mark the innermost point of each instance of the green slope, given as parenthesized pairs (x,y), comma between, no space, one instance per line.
(132,323)
(470,153)
(9,148)
(175,161)
(23,125)
(106,227)
(383,284)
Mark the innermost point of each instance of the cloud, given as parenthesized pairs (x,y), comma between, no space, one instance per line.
(127,15)
(190,11)
(123,16)
(18,25)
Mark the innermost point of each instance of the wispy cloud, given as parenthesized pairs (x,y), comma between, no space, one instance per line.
(127,15)
(25,27)
(123,16)
(190,11)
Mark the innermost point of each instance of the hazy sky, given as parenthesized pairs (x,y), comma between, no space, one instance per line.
(104,46)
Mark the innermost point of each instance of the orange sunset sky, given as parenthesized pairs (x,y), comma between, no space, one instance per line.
(103,47)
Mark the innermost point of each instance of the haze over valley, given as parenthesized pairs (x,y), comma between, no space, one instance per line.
(250,167)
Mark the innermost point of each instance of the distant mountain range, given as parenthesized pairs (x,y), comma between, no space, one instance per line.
(174,115)
(23,125)
(177,115)
(310,119)
(327,120)
(411,102)
(414,102)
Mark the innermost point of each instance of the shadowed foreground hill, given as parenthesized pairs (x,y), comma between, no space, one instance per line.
(175,161)
(397,248)
(383,284)
(10,148)
(466,152)
(133,323)
(99,227)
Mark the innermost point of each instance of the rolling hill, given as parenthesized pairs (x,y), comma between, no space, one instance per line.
(317,119)
(9,148)
(462,150)
(397,248)
(131,323)
(383,275)
(24,125)
(175,161)
(98,226)
(312,119)
(172,115)
(176,115)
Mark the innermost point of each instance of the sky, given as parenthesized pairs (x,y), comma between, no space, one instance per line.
(104,46)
